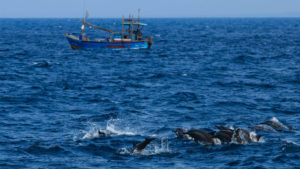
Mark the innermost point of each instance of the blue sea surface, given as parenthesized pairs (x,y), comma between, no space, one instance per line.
(200,73)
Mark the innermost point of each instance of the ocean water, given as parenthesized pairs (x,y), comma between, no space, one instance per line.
(200,73)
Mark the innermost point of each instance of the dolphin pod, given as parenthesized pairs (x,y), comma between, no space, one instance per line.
(224,135)
(228,135)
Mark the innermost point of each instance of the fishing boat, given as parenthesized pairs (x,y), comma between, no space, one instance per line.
(131,36)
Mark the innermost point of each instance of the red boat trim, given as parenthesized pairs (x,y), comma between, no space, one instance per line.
(74,47)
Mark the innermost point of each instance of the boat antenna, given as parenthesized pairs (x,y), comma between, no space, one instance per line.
(132,17)
(139,11)
(83,23)
(83,7)
(85,16)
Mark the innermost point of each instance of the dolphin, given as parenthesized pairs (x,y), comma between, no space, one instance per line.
(180,133)
(224,128)
(141,146)
(224,136)
(243,136)
(264,127)
(202,136)
(275,123)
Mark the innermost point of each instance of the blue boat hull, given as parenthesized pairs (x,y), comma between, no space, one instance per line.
(80,44)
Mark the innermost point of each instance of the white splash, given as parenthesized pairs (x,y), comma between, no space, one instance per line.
(155,149)
(242,136)
(163,148)
(124,151)
(184,74)
(217,141)
(113,129)
(274,119)
(91,133)
(122,127)
(253,137)
(245,138)
(261,140)
(152,149)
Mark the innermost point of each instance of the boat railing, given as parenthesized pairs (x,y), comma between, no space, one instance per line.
(72,36)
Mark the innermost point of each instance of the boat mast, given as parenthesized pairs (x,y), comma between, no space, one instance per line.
(138,25)
(83,26)
(122,27)
(82,31)
(85,14)
(129,20)
(131,26)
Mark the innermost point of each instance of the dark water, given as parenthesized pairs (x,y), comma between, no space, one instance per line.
(199,73)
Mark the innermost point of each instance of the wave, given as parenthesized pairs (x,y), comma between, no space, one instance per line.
(290,146)
(94,87)
(158,76)
(36,148)
(236,103)
(94,148)
(182,97)
(263,85)
(102,117)
(4,50)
